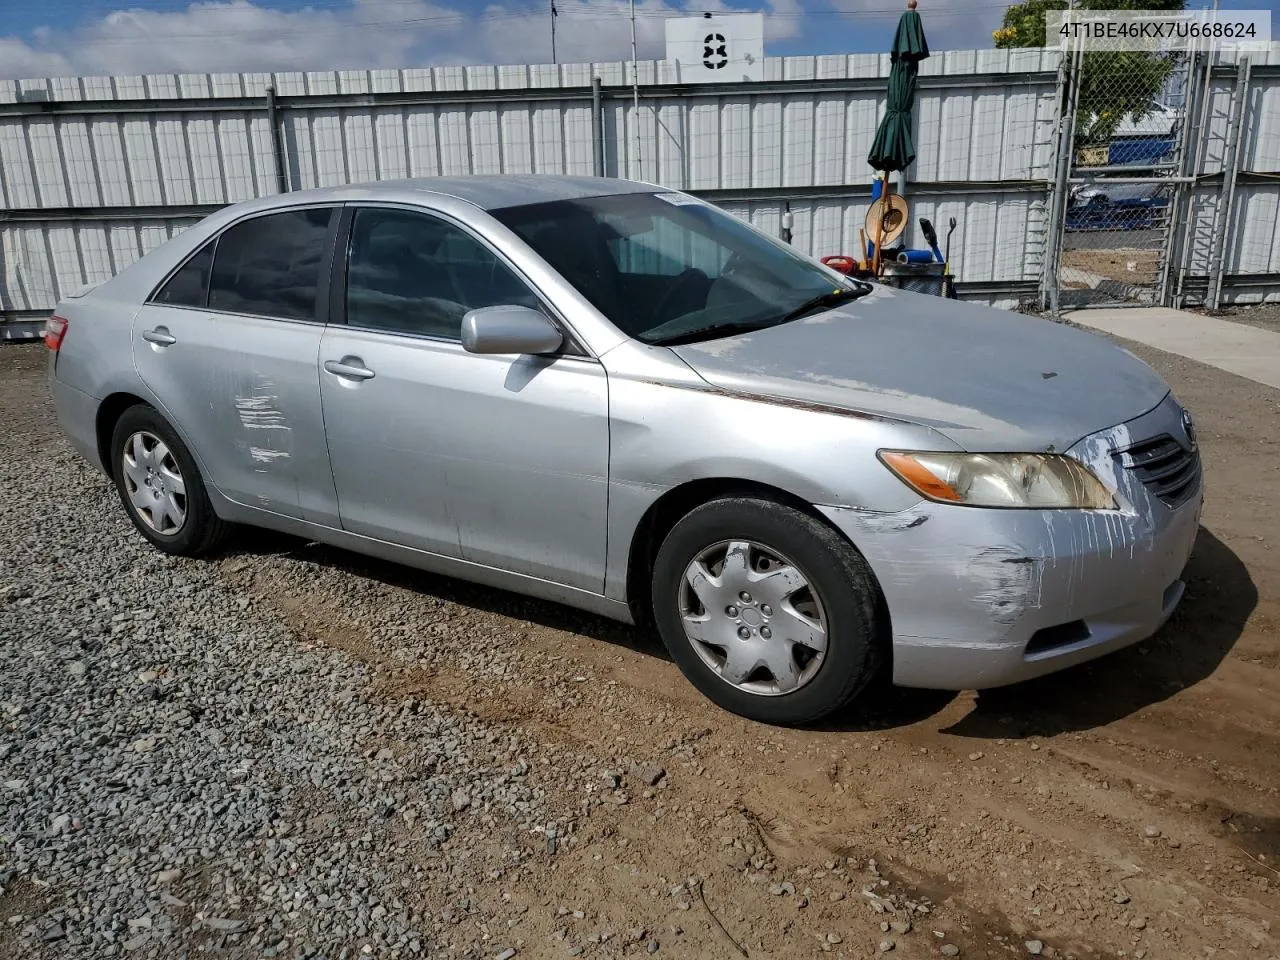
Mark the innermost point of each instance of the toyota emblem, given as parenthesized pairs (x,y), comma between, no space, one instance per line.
(1189,428)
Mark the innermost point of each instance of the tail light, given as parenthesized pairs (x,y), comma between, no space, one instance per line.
(839,262)
(55,328)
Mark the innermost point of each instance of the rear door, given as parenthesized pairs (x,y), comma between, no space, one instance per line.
(228,344)
(500,460)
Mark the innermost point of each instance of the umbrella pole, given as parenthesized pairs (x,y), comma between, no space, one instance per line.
(884,199)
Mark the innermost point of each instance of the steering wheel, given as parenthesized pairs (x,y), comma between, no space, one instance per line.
(678,285)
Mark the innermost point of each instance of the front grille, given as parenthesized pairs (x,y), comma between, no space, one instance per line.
(1165,467)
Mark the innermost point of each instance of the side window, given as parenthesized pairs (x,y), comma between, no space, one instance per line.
(270,266)
(189,287)
(412,273)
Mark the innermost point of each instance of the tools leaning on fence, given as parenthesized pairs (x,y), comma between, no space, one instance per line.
(931,238)
(925,270)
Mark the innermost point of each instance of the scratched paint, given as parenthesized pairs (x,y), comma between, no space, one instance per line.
(269,437)
(875,521)
(258,413)
(1013,582)
(774,400)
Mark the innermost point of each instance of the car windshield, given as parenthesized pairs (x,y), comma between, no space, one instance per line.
(665,268)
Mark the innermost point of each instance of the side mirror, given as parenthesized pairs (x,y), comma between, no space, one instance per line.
(509,329)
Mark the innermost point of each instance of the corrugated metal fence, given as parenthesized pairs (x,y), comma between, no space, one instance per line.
(1227,236)
(96,171)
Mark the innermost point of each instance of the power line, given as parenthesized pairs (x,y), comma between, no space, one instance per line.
(490,17)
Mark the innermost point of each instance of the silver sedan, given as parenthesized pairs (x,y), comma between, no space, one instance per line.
(619,397)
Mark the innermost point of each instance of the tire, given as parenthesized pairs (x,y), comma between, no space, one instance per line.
(170,467)
(839,594)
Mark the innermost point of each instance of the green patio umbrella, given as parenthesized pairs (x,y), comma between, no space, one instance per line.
(893,147)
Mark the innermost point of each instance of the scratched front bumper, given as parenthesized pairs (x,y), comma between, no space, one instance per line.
(968,588)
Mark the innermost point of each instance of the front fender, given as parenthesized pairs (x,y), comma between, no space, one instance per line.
(667,433)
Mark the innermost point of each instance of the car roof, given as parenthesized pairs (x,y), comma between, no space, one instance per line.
(489,192)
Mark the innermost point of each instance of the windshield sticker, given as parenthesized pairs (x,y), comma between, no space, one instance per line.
(678,199)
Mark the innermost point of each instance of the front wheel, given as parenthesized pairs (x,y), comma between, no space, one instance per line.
(766,610)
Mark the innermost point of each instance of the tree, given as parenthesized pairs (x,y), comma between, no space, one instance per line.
(1113,84)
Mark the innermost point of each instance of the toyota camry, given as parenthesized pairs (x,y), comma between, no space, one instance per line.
(619,397)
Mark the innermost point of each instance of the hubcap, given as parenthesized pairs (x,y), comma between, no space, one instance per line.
(752,617)
(154,483)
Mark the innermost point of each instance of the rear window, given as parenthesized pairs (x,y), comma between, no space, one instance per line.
(189,287)
(270,266)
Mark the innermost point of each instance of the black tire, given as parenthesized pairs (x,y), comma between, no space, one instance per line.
(202,530)
(836,572)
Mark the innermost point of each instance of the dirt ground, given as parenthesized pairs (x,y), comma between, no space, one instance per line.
(1264,316)
(1126,808)
(1127,265)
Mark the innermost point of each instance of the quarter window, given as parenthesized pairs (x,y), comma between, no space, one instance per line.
(412,273)
(189,287)
(270,266)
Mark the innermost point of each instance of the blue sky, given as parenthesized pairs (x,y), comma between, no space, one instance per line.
(67,37)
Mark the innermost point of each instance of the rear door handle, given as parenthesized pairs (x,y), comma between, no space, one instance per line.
(160,336)
(349,368)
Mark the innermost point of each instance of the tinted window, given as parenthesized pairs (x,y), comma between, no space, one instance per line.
(190,285)
(411,273)
(270,266)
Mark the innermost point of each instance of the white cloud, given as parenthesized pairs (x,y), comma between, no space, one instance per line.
(239,35)
(17,59)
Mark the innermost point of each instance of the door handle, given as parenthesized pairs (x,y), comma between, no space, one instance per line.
(349,368)
(160,336)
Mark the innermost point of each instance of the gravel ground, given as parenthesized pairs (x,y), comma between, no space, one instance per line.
(293,751)
(179,767)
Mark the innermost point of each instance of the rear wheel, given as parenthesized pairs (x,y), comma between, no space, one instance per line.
(766,610)
(161,487)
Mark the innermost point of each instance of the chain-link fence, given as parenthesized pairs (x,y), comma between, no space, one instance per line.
(1165,183)
(1123,140)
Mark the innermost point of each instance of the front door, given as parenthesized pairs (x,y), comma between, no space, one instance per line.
(499,460)
(228,346)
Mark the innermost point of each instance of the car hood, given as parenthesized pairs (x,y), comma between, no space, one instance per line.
(990,380)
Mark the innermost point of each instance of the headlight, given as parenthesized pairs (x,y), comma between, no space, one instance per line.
(1026,480)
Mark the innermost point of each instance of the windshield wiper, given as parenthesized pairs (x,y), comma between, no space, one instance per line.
(825,301)
(710,331)
(726,327)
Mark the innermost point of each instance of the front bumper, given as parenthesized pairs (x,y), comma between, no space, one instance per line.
(981,598)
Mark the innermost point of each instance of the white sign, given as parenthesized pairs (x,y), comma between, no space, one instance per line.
(721,48)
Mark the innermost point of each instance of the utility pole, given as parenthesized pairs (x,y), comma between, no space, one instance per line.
(553,32)
(635,92)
